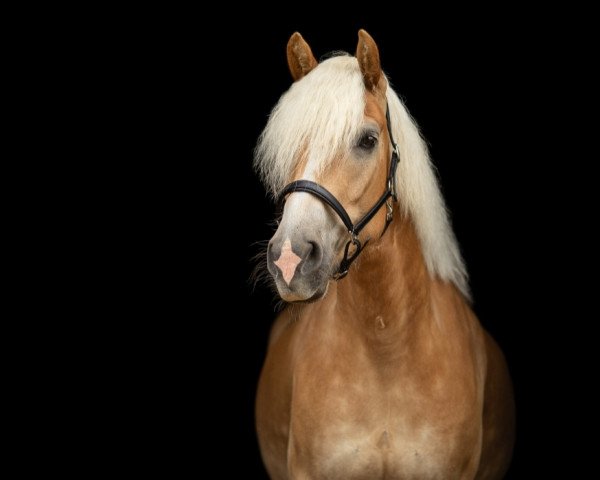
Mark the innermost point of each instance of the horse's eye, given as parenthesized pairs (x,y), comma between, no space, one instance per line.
(367,141)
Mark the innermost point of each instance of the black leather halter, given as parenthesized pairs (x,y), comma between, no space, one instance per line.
(353,228)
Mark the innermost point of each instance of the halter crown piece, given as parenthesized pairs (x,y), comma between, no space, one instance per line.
(353,228)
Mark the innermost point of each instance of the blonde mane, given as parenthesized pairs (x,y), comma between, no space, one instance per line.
(322,115)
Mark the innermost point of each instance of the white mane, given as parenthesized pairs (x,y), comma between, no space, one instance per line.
(322,115)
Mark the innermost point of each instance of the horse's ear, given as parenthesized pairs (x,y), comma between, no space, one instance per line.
(300,57)
(367,54)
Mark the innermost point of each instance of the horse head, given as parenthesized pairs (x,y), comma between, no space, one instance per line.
(329,134)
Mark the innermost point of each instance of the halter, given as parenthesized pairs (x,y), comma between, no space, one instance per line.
(353,228)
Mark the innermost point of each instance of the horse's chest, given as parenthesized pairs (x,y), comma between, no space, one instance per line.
(353,452)
(361,431)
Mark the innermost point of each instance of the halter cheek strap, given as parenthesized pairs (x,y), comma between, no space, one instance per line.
(353,228)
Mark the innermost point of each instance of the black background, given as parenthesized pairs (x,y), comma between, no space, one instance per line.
(477,90)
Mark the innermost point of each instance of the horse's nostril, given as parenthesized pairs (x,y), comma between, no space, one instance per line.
(270,251)
(313,257)
(314,251)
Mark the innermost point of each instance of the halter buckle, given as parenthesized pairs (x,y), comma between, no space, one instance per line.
(348,259)
(390,211)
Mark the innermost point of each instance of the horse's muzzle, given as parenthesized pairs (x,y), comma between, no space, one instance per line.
(296,266)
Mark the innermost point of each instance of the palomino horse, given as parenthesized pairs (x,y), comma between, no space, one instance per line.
(378,368)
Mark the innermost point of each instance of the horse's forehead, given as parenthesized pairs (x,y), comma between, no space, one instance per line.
(310,165)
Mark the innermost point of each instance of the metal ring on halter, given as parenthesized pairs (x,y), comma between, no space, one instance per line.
(354,241)
(390,210)
(347,260)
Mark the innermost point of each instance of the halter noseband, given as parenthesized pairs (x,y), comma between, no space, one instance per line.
(353,228)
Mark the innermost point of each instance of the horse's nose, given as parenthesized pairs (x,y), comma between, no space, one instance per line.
(284,257)
(312,258)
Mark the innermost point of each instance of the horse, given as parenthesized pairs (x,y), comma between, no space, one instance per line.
(377,367)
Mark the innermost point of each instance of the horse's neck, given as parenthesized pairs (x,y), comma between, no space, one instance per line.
(385,299)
